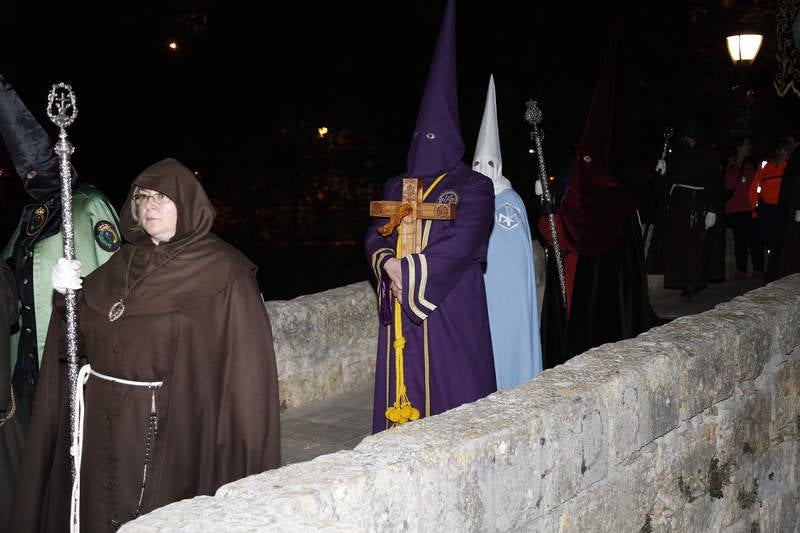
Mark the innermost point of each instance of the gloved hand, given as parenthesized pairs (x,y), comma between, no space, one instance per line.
(537,188)
(66,275)
(661,167)
(711,219)
(797,215)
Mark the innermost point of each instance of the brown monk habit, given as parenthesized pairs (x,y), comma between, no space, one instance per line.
(194,320)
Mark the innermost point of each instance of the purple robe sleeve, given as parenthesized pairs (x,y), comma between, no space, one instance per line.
(429,276)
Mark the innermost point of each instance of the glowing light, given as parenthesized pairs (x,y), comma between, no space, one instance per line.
(551,178)
(744,47)
(173,45)
(323,131)
(531,150)
(763,164)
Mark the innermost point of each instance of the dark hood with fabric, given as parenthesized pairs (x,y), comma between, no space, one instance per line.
(436,144)
(29,145)
(596,206)
(188,269)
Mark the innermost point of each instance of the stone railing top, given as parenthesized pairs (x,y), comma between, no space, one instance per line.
(495,463)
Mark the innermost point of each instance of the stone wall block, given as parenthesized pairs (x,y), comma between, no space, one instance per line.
(631,380)
(754,328)
(781,301)
(324,343)
(618,503)
(780,514)
(786,417)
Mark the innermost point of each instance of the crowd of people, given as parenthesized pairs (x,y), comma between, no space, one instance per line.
(703,191)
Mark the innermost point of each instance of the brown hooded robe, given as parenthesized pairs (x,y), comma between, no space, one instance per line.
(195,320)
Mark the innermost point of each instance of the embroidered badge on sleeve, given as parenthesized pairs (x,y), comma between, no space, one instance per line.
(508,217)
(106,236)
(448,197)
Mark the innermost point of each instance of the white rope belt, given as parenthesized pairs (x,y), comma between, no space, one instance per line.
(76,450)
(684,186)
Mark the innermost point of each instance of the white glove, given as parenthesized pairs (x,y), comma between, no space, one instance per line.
(711,219)
(537,188)
(661,167)
(797,215)
(66,275)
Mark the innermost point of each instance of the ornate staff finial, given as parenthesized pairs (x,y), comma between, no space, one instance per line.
(533,113)
(62,107)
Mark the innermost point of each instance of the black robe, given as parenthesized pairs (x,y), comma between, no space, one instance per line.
(610,300)
(694,253)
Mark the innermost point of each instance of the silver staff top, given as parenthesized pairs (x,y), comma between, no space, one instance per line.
(533,114)
(62,107)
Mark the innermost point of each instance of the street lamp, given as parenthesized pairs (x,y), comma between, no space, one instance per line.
(743,48)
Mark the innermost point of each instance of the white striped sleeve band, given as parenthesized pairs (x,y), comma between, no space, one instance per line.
(378,258)
(417,281)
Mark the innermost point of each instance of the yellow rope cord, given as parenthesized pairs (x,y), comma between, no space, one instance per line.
(388,354)
(402,411)
(427,368)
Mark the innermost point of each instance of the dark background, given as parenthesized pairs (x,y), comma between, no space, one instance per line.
(241,99)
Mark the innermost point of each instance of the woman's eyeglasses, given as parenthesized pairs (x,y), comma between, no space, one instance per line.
(158,198)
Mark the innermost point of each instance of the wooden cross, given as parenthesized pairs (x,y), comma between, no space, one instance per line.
(409,214)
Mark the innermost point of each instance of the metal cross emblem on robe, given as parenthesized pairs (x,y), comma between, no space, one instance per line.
(409,214)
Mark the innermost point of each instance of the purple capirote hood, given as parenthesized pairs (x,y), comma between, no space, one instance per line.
(436,144)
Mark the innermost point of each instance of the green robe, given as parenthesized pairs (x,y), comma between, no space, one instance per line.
(89,206)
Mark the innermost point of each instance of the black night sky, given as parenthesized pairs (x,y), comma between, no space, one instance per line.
(242,96)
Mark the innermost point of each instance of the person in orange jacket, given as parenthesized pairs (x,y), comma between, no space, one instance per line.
(764,192)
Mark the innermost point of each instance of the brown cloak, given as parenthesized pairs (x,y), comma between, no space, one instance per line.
(692,252)
(195,321)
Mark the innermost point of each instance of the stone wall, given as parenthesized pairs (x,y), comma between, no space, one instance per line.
(693,426)
(324,343)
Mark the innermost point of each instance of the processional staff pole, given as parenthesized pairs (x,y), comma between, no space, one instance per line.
(62,109)
(533,115)
(667,136)
(661,169)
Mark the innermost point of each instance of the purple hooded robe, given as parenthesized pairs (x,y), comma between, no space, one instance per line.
(448,351)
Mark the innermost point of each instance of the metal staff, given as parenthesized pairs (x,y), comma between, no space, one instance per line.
(533,115)
(62,109)
(667,136)
(648,229)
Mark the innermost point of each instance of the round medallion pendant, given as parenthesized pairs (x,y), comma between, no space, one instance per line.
(116,311)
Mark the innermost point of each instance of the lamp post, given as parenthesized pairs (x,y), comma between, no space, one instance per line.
(743,49)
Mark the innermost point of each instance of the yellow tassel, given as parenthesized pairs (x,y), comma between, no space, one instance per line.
(402,411)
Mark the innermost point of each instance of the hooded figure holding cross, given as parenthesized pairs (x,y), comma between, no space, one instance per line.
(434,344)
